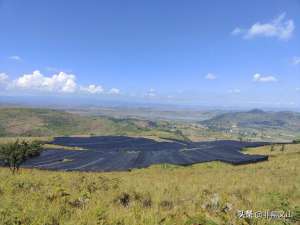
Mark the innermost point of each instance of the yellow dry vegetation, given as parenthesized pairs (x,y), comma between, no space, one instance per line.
(206,194)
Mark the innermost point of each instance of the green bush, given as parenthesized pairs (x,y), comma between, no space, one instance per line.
(14,154)
(296,141)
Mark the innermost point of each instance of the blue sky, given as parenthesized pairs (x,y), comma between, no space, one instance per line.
(215,53)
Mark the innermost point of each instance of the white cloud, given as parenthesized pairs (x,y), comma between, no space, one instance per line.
(3,78)
(36,81)
(236,31)
(114,91)
(279,27)
(297,89)
(69,86)
(292,103)
(296,60)
(151,93)
(259,78)
(210,76)
(234,91)
(15,57)
(93,89)
(61,82)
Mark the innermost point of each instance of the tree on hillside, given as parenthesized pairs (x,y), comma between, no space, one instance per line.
(14,154)
(241,136)
(272,148)
(282,148)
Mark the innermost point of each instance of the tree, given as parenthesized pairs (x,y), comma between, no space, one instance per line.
(296,141)
(241,136)
(14,154)
(272,148)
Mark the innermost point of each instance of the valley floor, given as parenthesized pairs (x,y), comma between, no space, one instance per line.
(206,194)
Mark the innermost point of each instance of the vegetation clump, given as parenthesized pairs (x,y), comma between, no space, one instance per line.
(14,154)
(296,141)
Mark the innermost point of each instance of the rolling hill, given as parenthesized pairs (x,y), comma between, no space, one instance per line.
(256,119)
(49,122)
(257,123)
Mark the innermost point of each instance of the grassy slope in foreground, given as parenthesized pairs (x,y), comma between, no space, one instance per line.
(207,194)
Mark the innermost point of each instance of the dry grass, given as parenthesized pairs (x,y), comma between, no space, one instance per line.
(206,194)
(5,140)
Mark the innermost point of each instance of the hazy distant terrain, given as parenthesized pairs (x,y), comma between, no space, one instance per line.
(48,122)
(257,124)
(152,113)
(257,119)
(250,125)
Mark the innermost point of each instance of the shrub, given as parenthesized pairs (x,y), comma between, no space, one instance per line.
(166,205)
(14,154)
(296,141)
(123,199)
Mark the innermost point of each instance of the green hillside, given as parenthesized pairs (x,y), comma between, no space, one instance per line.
(48,122)
(257,123)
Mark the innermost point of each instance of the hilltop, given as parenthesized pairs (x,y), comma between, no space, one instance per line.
(256,118)
(257,122)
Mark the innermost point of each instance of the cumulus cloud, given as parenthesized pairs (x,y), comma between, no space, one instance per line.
(296,60)
(114,91)
(93,89)
(279,27)
(259,78)
(61,82)
(210,76)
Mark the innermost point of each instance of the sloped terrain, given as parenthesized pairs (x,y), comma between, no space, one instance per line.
(34,122)
(206,193)
(256,119)
(113,153)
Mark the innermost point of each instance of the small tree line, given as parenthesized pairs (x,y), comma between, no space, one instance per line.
(282,147)
(14,154)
